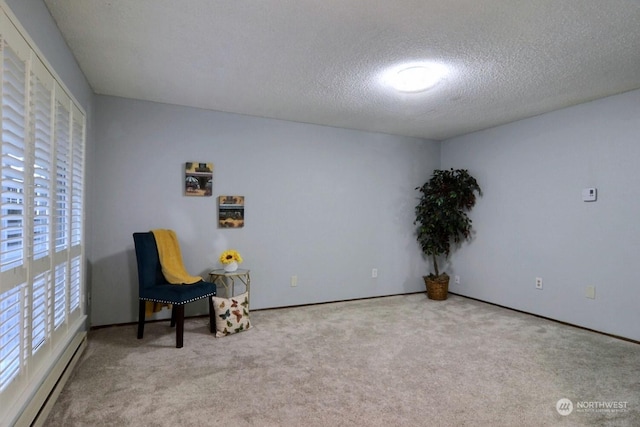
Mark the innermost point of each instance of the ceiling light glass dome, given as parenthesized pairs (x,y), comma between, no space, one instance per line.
(414,77)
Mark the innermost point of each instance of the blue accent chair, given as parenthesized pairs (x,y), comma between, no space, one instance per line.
(154,287)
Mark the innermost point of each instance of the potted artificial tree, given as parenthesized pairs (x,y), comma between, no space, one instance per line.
(441,219)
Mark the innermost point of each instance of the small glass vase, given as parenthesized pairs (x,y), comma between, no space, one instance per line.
(231,267)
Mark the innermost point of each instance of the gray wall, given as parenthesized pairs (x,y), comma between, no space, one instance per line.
(532,222)
(325,204)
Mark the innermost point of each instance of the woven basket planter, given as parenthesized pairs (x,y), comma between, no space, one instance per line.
(437,287)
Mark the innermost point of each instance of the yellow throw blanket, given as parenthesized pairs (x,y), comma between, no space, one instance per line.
(172,267)
(151,307)
(171,258)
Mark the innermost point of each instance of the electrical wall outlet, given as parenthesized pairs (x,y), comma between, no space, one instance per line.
(591,292)
(456,279)
(294,281)
(374,273)
(538,282)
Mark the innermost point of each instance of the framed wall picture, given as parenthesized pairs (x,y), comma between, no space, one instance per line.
(231,211)
(198,179)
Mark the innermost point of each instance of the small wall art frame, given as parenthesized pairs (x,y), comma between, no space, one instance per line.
(231,211)
(198,179)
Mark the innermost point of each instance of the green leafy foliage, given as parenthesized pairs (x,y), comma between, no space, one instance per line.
(441,213)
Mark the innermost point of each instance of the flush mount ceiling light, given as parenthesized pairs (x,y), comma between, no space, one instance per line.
(414,78)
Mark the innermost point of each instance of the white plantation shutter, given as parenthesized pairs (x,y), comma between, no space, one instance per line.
(60,295)
(63,171)
(62,142)
(77,177)
(10,329)
(42,296)
(14,56)
(76,211)
(75,282)
(39,311)
(14,101)
(42,122)
(39,330)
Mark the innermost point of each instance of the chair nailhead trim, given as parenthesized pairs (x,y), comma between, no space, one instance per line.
(177,303)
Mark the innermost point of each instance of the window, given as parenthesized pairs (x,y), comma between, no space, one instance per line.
(42,99)
(13,153)
(39,311)
(42,298)
(9,336)
(62,141)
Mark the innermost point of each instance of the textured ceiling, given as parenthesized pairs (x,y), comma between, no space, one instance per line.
(322,61)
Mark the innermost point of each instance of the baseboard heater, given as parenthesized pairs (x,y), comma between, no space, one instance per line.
(39,407)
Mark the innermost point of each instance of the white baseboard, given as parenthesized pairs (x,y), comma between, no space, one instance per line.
(39,407)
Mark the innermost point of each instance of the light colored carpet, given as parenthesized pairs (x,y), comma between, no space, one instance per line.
(392,361)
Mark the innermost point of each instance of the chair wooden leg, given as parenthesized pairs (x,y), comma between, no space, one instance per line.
(141,313)
(179,311)
(212,316)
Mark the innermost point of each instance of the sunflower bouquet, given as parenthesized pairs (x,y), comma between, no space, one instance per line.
(230,256)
